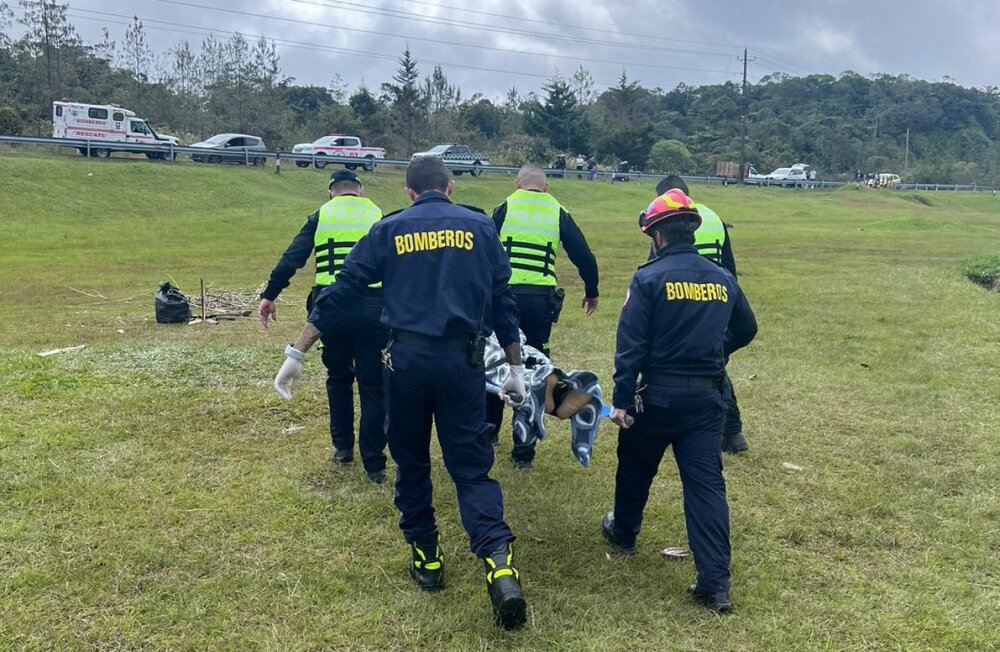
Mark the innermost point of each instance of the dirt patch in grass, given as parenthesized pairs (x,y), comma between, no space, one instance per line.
(984,271)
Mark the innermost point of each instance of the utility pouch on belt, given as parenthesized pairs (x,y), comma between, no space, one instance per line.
(557,298)
(477,345)
(477,349)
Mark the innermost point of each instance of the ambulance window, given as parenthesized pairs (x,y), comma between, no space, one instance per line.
(118,117)
(59,111)
(139,128)
(98,114)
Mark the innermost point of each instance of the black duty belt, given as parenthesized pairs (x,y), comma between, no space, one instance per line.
(532,289)
(682,382)
(410,338)
(369,291)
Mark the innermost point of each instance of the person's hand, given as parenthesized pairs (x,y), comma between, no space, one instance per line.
(267,310)
(590,305)
(288,377)
(621,418)
(514,391)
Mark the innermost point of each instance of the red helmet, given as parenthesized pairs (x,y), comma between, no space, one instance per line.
(670,204)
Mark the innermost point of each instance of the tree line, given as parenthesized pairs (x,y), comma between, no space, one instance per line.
(925,131)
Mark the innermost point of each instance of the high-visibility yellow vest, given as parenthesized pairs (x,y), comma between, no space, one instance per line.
(710,235)
(342,222)
(530,236)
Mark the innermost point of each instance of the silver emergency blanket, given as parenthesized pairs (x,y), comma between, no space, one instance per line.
(528,421)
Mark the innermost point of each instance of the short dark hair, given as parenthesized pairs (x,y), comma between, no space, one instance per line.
(678,230)
(425,173)
(341,187)
(670,182)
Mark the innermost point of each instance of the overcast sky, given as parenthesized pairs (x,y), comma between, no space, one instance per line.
(491,45)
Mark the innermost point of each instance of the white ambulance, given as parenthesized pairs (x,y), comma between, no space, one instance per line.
(105,123)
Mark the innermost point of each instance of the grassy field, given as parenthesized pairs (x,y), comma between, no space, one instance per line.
(155,493)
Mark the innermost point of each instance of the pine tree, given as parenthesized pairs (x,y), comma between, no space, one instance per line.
(409,110)
(559,117)
(138,56)
(48,31)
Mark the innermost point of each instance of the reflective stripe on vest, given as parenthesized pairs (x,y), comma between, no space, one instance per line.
(530,236)
(342,222)
(710,235)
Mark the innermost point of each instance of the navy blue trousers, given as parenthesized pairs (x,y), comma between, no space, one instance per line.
(435,383)
(692,421)
(352,348)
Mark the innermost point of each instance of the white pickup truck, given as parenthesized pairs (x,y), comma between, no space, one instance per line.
(342,146)
(103,124)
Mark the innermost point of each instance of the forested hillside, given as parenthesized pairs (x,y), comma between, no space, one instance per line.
(838,124)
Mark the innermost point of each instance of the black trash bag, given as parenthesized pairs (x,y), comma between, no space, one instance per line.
(172,306)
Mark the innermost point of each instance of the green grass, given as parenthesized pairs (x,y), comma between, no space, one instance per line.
(984,270)
(152,495)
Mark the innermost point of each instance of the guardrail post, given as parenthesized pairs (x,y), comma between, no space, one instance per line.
(88,148)
(277,163)
(173,156)
(246,157)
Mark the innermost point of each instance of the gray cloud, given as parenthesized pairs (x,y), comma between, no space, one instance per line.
(672,41)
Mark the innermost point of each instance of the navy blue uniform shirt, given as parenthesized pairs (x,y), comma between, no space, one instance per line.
(675,321)
(442,267)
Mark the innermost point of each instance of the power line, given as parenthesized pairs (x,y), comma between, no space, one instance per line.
(205,31)
(775,61)
(522,19)
(494,28)
(429,40)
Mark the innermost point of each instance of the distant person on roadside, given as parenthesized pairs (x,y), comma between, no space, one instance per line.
(580,162)
(712,242)
(592,169)
(354,347)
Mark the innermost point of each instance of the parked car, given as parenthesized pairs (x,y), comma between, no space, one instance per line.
(342,146)
(786,177)
(884,180)
(231,148)
(457,158)
(754,177)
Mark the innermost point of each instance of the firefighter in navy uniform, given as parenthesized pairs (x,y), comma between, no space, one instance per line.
(532,224)
(712,241)
(682,318)
(446,288)
(354,347)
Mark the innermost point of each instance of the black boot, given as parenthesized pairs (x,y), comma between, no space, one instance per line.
(504,586)
(717,601)
(608,530)
(427,568)
(734,443)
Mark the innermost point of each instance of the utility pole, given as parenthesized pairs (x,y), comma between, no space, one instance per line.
(743,139)
(906,159)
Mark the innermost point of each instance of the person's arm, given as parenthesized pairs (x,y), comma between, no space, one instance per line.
(364,265)
(500,215)
(295,257)
(505,315)
(742,324)
(632,344)
(728,260)
(579,253)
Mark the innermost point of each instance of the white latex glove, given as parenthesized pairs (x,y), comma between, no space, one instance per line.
(289,375)
(514,392)
(621,418)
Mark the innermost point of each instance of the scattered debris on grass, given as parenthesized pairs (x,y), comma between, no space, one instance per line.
(674,553)
(790,466)
(291,430)
(68,349)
